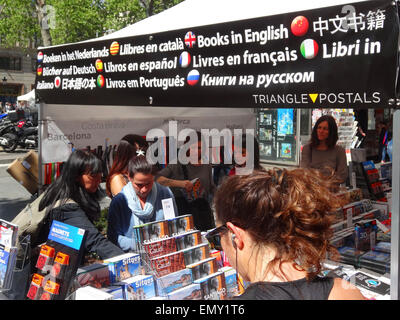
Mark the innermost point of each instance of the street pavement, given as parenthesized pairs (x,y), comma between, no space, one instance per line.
(13,196)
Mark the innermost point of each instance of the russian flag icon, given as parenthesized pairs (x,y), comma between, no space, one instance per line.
(193,77)
(185,59)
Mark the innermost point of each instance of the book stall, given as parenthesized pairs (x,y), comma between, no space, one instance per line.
(212,70)
(173,262)
(362,235)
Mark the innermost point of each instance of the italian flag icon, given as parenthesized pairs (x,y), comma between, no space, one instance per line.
(309,48)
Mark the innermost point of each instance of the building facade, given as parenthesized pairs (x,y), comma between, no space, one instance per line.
(17,73)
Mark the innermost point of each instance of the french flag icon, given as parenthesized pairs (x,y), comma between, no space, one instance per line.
(185,59)
(193,77)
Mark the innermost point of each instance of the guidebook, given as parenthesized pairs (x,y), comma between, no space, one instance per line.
(7,263)
(8,233)
(196,192)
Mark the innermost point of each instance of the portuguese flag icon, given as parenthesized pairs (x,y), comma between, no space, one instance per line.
(100,81)
(309,48)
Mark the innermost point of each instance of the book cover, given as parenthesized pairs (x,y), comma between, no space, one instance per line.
(386,171)
(232,288)
(338,273)
(213,287)
(376,261)
(96,275)
(286,150)
(167,264)
(196,254)
(123,266)
(158,248)
(365,234)
(7,264)
(152,231)
(376,256)
(203,268)
(367,282)
(4,258)
(140,287)
(180,224)
(173,281)
(350,255)
(382,246)
(187,240)
(368,165)
(8,233)
(218,257)
(117,291)
(197,191)
(191,292)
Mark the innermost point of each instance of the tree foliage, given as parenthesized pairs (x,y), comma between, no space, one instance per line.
(53,22)
(18,24)
(75,20)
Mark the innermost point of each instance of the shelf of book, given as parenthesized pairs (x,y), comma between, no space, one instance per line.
(361,234)
(173,262)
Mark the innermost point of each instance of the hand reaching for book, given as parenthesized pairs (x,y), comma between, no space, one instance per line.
(187,185)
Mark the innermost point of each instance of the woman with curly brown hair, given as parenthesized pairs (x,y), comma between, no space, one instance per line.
(274,227)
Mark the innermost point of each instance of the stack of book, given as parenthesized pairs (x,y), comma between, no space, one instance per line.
(174,252)
(174,262)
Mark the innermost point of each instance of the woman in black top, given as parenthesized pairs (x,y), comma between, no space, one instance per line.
(275,231)
(74,199)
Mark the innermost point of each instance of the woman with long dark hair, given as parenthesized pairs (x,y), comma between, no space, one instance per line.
(322,152)
(74,199)
(127,149)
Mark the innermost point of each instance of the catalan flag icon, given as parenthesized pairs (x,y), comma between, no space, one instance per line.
(114,48)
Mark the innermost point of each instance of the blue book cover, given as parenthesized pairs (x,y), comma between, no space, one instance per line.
(140,287)
(382,247)
(191,292)
(124,266)
(4,258)
(7,263)
(173,281)
(67,235)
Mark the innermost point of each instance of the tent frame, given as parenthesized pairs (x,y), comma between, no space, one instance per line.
(395,220)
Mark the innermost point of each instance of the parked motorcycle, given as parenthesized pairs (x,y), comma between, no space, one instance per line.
(6,126)
(23,134)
